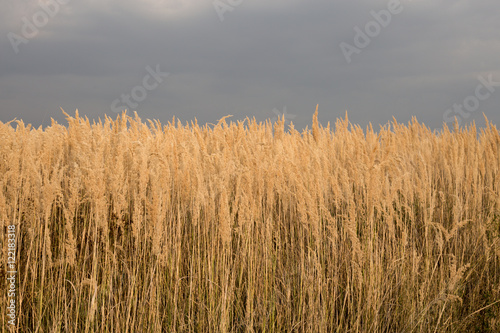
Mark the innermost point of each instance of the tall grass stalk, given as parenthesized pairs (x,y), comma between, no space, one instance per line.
(126,226)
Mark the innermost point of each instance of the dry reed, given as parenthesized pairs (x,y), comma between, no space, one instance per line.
(130,227)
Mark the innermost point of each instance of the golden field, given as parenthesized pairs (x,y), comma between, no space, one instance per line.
(132,226)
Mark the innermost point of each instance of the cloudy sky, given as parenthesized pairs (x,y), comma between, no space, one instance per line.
(433,59)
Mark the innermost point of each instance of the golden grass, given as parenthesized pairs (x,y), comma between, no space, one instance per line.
(125,226)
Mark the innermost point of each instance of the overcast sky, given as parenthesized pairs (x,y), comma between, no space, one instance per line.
(433,59)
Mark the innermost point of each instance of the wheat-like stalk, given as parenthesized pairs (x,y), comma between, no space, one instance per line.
(243,226)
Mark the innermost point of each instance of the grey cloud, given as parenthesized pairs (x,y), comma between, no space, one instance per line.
(259,58)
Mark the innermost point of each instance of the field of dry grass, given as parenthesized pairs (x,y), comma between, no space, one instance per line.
(132,226)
